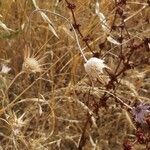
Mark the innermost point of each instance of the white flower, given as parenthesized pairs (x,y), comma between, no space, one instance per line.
(94,67)
(5,69)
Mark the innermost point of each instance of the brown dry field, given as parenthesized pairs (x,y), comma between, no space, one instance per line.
(47,99)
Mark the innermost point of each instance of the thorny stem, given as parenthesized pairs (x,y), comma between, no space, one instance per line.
(121,53)
(77,27)
(82,139)
(126,64)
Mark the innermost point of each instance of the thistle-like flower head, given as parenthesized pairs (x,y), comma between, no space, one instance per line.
(32,63)
(94,67)
(16,122)
(140,113)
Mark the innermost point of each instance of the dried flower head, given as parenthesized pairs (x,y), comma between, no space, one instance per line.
(140,113)
(94,67)
(16,122)
(32,63)
(5,69)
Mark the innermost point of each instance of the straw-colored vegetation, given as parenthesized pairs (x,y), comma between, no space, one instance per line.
(53,96)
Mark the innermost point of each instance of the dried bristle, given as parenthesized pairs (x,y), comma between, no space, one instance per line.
(31,63)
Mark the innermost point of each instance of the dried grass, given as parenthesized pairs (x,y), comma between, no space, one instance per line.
(48,109)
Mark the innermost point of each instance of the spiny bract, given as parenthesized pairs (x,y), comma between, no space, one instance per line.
(31,63)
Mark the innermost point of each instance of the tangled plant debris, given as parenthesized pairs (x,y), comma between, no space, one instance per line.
(75,75)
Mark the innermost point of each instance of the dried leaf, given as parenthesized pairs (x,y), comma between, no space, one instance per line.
(112,40)
(102,18)
(5,27)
